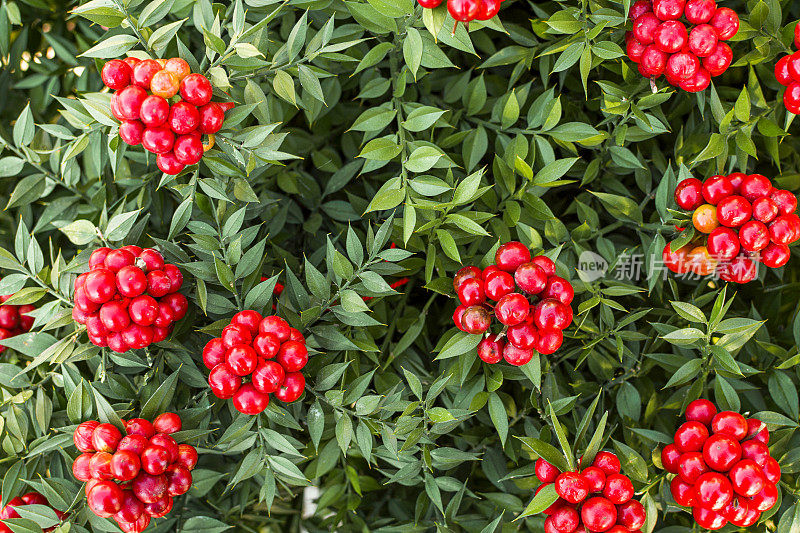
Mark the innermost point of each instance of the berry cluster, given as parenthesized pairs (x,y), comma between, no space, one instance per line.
(661,44)
(599,498)
(527,324)
(129,298)
(265,349)
(172,131)
(787,72)
(31,498)
(466,10)
(723,466)
(14,320)
(743,218)
(133,478)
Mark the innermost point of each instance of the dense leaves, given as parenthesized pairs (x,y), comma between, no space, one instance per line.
(361,124)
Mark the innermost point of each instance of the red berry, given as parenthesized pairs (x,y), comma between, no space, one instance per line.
(196,89)
(531,278)
(726,22)
(497,284)
(183,118)
(755,451)
(721,452)
(429,4)
(754,236)
(791,98)
(512,309)
(631,515)
(766,498)
(595,477)
(708,519)
(249,400)
(188,149)
(755,186)
(723,244)
(654,62)
(716,188)
(129,102)
(785,229)
(105,499)
(618,489)
(292,388)
(523,336)
(782,73)
(634,48)
(552,314)
(490,349)
(511,255)
(117,259)
(131,132)
(699,11)
(144,71)
(572,487)
(682,66)
(154,111)
(81,468)
(276,326)
(701,410)
(598,514)
(470,292)
(116,74)
(734,211)
(223,381)
(158,140)
(691,436)
(558,289)
(140,426)
(765,209)
(775,255)
(640,7)
(757,430)
(682,491)
(179,480)
(267,346)
(125,465)
(689,194)
(703,40)
(169,164)
(645,28)
(293,356)
(546,264)
(268,377)
(669,458)
(211,118)
(668,9)
(516,356)
(747,478)
(149,488)
(785,201)
(131,508)
(565,518)
(106,437)
(545,472)
(691,466)
(730,423)
(475,319)
(468,272)
(771,469)
(464,10)
(187,456)
(167,423)
(549,341)
(671,36)
(608,463)
(719,60)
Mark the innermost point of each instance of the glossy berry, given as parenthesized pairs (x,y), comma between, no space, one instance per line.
(708,519)
(726,22)
(723,243)
(517,356)
(470,292)
(754,236)
(463,10)
(669,458)
(730,423)
(645,28)
(689,194)
(699,11)
(545,472)
(703,40)
(552,314)
(721,452)
(765,209)
(178,67)
(497,284)
(188,149)
(682,65)
(164,84)
(214,353)
(598,514)
(292,388)
(571,487)
(268,377)
(249,400)
(154,111)
(158,140)
(105,498)
(169,164)
(183,118)
(167,423)
(705,218)
(784,200)
(719,60)
(654,61)
(196,89)
(143,72)
(511,255)
(607,462)
(475,320)
(747,478)
(701,410)
(523,336)
(512,309)
(530,278)
(223,381)
(691,466)
(682,491)
(116,74)
(129,102)
(211,118)
(293,356)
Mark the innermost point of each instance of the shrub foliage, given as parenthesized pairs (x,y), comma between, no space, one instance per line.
(368,143)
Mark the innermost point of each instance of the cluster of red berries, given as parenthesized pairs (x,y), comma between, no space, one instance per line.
(528,325)
(134,477)
(724,469)
(129,298)
(741,218)
(598,499)
(31,498)
(265,349)
(14,320)
(172,131)
(466,10)
(661,44)
(787,72)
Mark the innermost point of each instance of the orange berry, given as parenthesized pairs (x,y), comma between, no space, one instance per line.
(705,219)
(178,67)
(164,84)
(700,261)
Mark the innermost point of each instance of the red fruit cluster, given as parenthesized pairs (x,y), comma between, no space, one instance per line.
(724,469)
(129,298)
(745,219)
(141,101)
(31,498)
(466,10)
(787,72)
(532,304)
(660,43)
(265,349)
(134,477)
(598,499)
(14,320)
